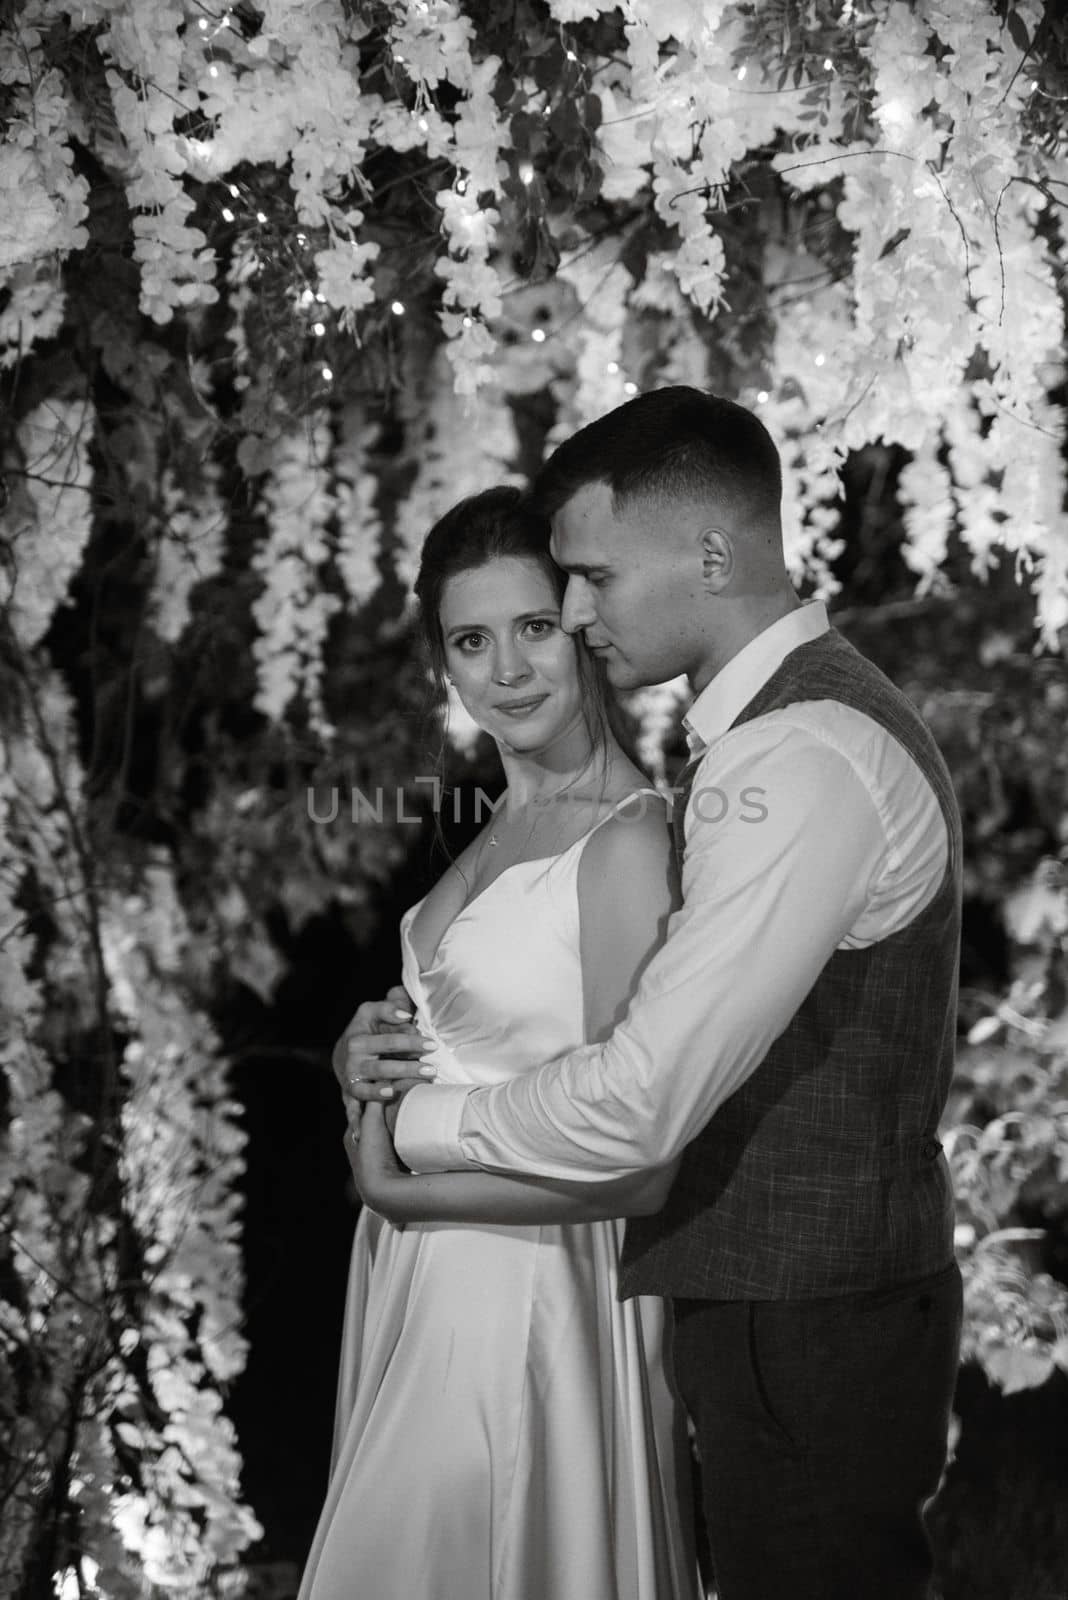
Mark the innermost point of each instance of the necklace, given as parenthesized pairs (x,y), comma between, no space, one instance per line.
(493,842)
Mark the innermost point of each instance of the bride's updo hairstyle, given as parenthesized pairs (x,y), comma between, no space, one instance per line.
(491,526)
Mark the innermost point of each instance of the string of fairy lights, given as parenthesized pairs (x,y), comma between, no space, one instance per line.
(312,304)
(244,206)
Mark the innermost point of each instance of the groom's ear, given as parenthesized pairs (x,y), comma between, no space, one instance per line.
(717,560)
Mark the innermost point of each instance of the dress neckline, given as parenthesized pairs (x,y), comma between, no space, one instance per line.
(469,905)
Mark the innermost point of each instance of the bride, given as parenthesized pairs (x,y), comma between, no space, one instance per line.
(504,1427)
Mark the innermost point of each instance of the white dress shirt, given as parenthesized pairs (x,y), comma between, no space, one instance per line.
(808,830)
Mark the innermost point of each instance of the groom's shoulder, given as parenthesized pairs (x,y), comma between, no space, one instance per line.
(835,662)
(830,671)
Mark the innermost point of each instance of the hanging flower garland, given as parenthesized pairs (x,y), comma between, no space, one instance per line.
(910,120)
(119,1408)
(294,608)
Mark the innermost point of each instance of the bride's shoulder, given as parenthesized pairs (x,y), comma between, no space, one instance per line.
(634,800)
(635,824)
(627,869)
(633,794)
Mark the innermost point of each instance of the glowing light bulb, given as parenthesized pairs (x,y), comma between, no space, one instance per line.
(307,298)
(538,335)
(302,238)
(397,308)
(235,191)
(820,359)
(762,396)
(612,368)
(424,126)
(261,216)
(318,328)
(828,64)
(227,214)
(213,72)
(461,186)
(398,58)
(741,73)
(328,374)
(469,322)
(203,25)
(526,172)
(321,299)
(571,56)
(630,388)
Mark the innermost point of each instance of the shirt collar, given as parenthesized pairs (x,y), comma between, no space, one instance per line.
(745,674)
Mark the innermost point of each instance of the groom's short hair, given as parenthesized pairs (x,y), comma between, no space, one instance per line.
(670,444)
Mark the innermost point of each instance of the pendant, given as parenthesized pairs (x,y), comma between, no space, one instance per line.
(493,841)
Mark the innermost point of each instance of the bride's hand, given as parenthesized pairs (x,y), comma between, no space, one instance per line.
(378,1174)
(377,1057)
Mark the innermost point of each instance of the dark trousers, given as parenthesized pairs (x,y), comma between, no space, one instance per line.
(821,1427)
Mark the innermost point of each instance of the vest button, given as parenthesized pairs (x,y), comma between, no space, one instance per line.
(930,1148)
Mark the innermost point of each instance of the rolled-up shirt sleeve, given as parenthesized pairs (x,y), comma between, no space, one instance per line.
(783,843)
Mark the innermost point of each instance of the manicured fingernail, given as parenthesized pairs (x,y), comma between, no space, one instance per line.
(403,1016)
(428,1072)
(387,1093)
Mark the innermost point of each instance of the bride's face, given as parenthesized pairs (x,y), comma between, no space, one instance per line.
(513,666)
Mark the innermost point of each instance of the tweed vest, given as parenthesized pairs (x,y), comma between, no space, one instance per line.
(823,1174)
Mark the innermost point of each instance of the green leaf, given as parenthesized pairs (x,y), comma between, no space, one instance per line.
(565,124)
(550,68)
(523,127)
(568,169)
(1018,31)
(892,243)
(592,188)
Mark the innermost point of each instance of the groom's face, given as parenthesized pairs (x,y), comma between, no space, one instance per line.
(630,586)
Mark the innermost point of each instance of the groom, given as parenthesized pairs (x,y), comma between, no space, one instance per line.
(794,1036)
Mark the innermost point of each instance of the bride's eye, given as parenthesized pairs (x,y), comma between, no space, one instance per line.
(467,643)
(542,626)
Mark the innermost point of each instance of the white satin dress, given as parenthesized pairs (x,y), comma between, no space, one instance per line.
(505,1429)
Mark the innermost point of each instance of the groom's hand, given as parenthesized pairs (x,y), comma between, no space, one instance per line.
(377,1056)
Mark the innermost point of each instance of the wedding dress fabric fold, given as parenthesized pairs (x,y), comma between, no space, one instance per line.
(505,1428)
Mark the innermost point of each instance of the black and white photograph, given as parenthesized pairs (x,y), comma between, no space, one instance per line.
(533,800)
